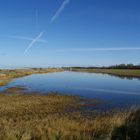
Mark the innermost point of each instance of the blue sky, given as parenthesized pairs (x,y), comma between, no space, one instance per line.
(38,33)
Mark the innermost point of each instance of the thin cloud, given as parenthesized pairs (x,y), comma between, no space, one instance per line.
(60,10)
(33,42)
(100,49)
(27,38)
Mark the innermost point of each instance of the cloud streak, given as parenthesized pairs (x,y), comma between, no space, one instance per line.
(59,11)
(27,38)
(100,49)
(33,42)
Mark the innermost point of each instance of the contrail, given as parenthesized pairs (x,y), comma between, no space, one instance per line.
(99,49)
(60,10)
(27,38)
(33,42)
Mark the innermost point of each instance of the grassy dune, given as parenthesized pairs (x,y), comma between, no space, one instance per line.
(61,117)
(117,72)
(6,75)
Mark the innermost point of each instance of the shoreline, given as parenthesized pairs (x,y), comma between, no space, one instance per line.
(128,73)
(63,117)
(6,75)
(52,116)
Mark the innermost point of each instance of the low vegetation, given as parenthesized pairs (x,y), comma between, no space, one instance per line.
(63,117)
(120,66)
(122,70)
(6,74)
(32,116)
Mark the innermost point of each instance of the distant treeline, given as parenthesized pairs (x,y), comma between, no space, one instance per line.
(120,66)
(125,66)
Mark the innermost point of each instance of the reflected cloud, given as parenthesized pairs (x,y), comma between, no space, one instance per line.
(107,91)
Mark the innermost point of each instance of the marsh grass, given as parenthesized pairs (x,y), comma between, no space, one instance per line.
(6,74)
(117,72)
(16,89)
(60,117)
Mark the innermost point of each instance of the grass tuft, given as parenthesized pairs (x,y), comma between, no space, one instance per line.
(60,117)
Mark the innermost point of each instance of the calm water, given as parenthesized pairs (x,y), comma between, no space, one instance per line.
(114,91)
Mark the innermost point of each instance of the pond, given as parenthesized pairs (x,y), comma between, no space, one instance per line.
(113,91)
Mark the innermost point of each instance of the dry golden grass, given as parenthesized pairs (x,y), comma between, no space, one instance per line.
(57,117)
(6,75)
(60,117)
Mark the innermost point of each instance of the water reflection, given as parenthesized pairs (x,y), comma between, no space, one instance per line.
(124,77)
(114,90)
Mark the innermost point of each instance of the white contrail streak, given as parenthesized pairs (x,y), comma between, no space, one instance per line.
(60,10)
(27,38)
(100,49)
(33,42)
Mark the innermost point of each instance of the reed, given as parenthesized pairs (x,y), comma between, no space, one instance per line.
(62,117)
